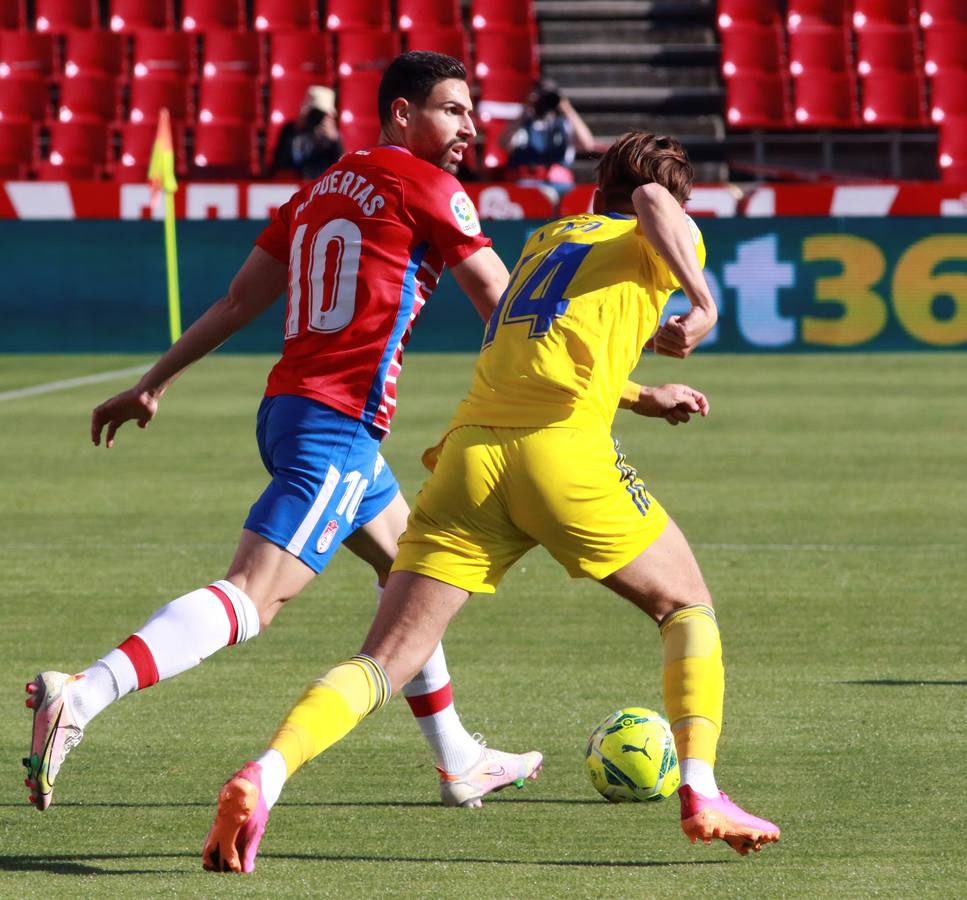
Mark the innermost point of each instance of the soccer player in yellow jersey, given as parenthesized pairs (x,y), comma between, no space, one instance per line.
(529,459)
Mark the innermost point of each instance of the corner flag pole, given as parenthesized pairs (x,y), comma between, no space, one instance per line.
(161,174)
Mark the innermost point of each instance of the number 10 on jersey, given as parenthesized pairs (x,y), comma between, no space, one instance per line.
(331,262)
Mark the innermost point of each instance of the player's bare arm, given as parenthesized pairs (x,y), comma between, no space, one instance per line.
(483,277)
(666,228)
(256,285)
(672,402)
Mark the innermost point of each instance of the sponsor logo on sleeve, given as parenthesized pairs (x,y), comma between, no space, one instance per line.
(696,234)
(465,213)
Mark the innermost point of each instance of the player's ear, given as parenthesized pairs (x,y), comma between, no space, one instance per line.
(597,202)
(400,111)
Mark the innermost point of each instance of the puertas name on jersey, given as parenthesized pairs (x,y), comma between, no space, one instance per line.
(350,184)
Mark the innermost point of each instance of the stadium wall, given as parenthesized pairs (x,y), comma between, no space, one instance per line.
(782,284)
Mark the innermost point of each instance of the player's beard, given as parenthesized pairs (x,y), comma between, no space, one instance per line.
(446,163)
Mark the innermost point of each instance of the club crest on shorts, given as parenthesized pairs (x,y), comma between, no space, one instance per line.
(325,538)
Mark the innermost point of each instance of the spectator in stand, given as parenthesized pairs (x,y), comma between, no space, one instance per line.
(541,143)
(310,144)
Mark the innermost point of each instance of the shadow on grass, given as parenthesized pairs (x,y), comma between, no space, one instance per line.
(907,682)
(320,804)
(80,863)
(71,864)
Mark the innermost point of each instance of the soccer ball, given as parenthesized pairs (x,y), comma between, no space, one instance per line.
(631,757)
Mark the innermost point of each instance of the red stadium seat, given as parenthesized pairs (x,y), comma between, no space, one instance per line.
(63,15)
(135,15)
(943,48)
(286,95)
(151,94)
(357,96)
(26,54)
(300,53)
(514,13)
(226,147)
(494,155)
(359,133)
(13,14)
(757,101)
(208,15)
(88,98)
(137,141)
(941,13)
(230,53)
(228,99)
(365,49)
(163,53)
(819,47)
(949,95)
(505,49)
(16,148)
(77,150)
(93,53)
(952,157)
(816,12)
(825,100)
(887,48)
(272,15)
(23,99)
(357,14)
(894,100)
(428,14)
(751,48)
(868,13)
(452,41)
(502,95)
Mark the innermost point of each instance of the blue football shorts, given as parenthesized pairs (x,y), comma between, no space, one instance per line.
(328,477)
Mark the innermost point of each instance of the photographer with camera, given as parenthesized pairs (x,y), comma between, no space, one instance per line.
(310,144)
(541,144)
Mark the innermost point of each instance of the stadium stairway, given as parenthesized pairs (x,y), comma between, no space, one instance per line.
(649,64)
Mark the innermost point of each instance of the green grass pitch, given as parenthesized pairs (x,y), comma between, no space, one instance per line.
(825,498)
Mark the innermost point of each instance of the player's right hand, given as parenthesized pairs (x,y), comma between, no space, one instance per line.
(133,403)
(680,335)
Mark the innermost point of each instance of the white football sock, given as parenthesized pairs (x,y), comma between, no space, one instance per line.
(699,776)
(274,775)
(176,638)
(430,697)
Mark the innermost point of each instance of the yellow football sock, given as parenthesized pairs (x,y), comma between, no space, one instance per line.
(694,680)
(331,708)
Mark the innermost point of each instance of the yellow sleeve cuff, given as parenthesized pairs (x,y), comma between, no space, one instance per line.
(629,395)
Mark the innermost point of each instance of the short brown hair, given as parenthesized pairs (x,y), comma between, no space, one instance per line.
(640,158)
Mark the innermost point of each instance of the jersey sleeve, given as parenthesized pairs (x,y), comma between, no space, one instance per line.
(448,217)
(664,279)
(274,238)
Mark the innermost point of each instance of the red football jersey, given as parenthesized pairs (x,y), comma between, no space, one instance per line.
(365,244)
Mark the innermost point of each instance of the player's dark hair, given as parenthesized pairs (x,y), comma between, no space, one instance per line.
(640,158)
(413,75)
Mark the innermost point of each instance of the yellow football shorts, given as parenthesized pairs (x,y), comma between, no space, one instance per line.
(497,492)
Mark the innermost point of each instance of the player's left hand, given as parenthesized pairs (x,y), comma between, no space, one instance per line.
(672,402)
(680,335)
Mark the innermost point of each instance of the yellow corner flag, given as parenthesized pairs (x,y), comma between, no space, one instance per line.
(161,174)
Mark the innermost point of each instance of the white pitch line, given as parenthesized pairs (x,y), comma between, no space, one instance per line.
(67,383)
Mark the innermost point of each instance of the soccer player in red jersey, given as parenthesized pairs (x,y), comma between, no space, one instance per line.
(358,252)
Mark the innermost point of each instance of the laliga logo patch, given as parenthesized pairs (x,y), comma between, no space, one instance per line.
(464,212)
(328,533)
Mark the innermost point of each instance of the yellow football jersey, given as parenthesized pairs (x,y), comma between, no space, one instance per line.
(584,297)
